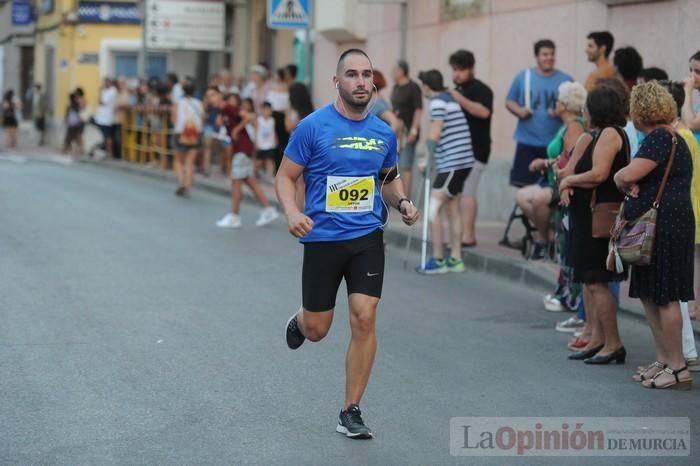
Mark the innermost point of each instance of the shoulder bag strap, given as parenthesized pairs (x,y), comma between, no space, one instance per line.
(594,197)
(667,173)
(528,87)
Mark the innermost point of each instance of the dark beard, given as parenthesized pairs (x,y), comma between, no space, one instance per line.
(351,104)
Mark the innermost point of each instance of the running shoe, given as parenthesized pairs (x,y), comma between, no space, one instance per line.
(539,251)
(570,325)
(294,336)
(267,215)
(433,267)
(351,425)
(552,303)
(455,265)
(229,221)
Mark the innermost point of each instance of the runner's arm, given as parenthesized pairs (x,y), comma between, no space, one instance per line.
(393,193)
(285,185)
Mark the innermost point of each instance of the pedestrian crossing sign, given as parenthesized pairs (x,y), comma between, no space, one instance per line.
(294,14)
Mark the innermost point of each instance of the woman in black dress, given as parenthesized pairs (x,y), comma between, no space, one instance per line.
(669,278)
(603,156)
(9,119)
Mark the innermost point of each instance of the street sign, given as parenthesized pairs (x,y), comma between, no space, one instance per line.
(185,25)
(21,13)
(104,12)
(293,14)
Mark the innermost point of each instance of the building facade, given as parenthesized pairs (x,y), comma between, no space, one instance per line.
(17,50)
(501,34)
(78,42)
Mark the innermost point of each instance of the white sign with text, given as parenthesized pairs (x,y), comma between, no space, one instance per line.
(183,25)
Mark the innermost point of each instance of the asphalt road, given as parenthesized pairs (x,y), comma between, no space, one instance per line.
(132,331)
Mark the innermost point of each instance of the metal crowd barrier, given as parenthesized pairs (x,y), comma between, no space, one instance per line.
(146,135)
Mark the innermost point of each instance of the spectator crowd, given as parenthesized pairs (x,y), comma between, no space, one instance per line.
(627,136)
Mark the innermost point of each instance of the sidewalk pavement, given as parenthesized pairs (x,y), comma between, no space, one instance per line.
(488,256)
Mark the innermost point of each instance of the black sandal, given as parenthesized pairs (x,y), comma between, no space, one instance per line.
(677,385)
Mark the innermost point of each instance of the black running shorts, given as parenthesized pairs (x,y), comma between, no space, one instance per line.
(451,182)
(360,261)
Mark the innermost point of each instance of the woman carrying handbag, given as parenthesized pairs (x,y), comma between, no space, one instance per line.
(657,184)
(594,193)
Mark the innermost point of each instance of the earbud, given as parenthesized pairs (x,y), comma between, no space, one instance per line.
(336,85)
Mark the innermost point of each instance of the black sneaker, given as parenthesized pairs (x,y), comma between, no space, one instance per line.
(294,336)
(181,191)
(539,251)
(351,424)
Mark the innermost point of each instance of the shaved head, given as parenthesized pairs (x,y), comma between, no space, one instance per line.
(341,61)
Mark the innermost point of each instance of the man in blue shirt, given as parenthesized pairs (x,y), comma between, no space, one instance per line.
(532,98)
(348,158)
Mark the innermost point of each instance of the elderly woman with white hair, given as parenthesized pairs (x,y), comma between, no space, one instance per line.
(537,201)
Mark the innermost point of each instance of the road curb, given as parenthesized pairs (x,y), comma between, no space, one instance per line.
(514,270)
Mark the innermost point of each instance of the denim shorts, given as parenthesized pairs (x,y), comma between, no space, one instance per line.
(520,174)
(407,156)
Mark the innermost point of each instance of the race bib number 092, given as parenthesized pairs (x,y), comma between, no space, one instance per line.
(349,194)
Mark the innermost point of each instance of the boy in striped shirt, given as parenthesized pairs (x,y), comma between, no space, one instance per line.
(449,145)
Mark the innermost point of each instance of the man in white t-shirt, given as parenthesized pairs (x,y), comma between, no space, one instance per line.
(104,116)
(176,92)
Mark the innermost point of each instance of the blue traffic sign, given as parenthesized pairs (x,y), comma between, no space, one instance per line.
(22,13)
(294,14)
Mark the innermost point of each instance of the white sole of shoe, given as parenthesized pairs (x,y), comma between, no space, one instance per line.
(553,308)
(342,430)
(566,330)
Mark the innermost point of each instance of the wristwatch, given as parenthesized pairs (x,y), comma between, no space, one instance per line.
(401,201)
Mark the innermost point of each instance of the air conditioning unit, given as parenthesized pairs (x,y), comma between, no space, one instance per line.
(341,20)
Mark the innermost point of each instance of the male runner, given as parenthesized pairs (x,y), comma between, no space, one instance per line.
(348,158)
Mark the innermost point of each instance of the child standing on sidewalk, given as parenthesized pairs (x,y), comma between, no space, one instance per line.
(235,120)
(266,140)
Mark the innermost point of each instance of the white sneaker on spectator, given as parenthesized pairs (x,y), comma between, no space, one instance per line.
(552,304)
(267,215)
(229,221)
(570,325)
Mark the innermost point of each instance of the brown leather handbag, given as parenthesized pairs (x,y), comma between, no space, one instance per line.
(604,216)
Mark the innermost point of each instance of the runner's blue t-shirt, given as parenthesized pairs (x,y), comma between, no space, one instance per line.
(342,159)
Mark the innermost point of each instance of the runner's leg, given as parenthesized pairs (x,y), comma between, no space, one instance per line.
(362,347)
